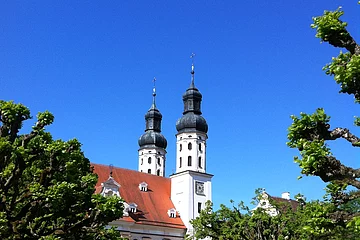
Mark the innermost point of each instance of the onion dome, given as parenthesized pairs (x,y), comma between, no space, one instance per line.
(192,120)
(152,136)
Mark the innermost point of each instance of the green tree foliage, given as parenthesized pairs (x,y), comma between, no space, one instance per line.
(239,223)
(47,186)
(309,133)
(310,221)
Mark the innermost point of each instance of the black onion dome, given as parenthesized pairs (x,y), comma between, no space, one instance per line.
(153,113)
(192,91)
(190,122)
(151,138)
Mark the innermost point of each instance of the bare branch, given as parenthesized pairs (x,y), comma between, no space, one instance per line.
(344,133)
(334,170)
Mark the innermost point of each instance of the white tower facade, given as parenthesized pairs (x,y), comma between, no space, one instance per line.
(152,160)
(191,184)
(191,151)
(152,151)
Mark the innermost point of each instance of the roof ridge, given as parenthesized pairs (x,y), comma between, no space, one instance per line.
(126,169)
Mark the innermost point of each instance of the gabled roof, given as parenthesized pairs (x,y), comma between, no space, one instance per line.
(286,202)
(152,205)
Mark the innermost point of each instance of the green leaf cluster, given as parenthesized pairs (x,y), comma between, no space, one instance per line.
(47,186)
(329,28)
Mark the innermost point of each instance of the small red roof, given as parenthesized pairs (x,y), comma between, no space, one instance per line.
(152,206)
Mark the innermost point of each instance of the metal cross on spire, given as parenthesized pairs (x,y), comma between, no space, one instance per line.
(192,56)
(154,91)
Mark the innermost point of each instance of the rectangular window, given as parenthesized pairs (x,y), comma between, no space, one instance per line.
(199,207)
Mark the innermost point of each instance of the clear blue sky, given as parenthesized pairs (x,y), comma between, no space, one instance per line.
(91,63)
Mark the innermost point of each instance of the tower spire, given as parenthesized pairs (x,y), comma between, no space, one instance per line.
(154,93)
(192,56)
(152,143)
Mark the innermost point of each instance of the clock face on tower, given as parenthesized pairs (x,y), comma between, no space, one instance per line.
(199,188)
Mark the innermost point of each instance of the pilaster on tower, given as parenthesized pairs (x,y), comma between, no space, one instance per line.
(152,151)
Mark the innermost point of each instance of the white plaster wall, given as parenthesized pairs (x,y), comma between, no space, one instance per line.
(133,231)
(184,197)
(154,153)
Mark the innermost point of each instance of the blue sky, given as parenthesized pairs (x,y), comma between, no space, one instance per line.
(91,63)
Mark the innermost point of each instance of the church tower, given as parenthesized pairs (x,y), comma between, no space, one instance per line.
(152,143)
(191,184)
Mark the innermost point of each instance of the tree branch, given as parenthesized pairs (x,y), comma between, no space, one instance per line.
(334,170)
(344,133)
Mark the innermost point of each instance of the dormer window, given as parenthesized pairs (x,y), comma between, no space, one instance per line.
(132,207)
(110,188)
(143,187)
(172,213)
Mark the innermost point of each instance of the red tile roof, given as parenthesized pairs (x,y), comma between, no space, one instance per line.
(152,206)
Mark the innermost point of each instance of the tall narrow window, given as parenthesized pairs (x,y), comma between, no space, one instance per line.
(158,172)
(189,160)
(199,207)
(200,147)
(159,161)
(142,160)
(149,160)
(189,146)
(180,165)
(180,147)
(149,170)
(200,166)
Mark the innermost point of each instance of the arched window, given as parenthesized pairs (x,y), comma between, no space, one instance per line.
(109,193)
(149,160)
(200,166)
(180,147)
(180,165)
(189,146)
(149,170)
(158,172)
(200,147)
(189,161)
